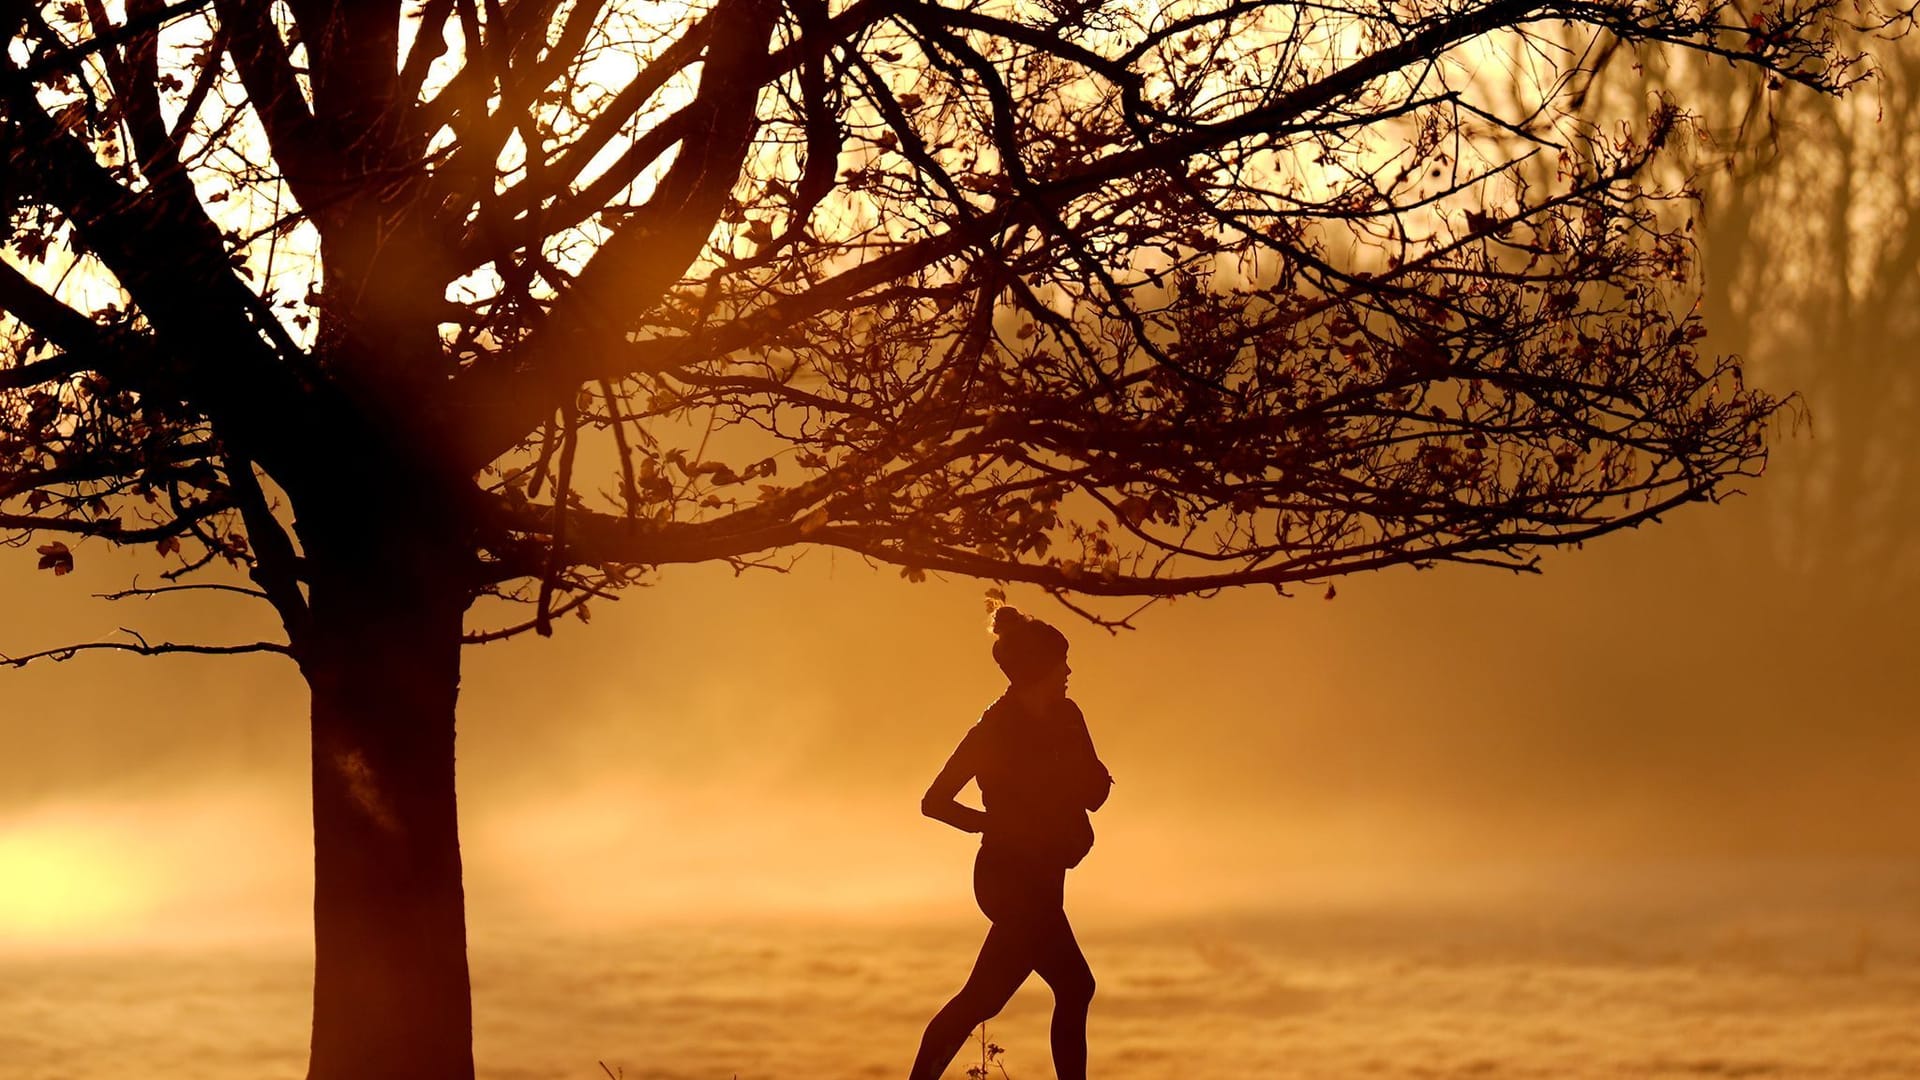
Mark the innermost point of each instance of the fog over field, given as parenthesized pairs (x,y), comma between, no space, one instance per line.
(1782,970)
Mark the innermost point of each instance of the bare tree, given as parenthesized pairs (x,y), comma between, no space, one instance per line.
(411,310)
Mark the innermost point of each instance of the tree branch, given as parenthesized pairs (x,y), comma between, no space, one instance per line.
(306,160)
(508,396)
(69,59)
(159,590)
(143,648)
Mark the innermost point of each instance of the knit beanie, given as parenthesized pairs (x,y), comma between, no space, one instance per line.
(1023,646)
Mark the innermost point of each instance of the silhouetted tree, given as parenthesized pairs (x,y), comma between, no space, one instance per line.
(403,307)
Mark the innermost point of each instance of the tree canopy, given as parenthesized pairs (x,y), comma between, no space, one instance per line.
(1107,299)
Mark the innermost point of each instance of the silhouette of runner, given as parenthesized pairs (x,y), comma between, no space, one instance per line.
(1039,778)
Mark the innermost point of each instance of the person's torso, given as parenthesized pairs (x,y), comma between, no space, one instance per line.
(1026,770)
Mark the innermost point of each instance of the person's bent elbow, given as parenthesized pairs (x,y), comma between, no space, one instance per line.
(1097,793)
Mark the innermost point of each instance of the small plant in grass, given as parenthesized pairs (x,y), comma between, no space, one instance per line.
(989,1059)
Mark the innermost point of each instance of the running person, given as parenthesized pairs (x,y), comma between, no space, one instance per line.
(1039,778)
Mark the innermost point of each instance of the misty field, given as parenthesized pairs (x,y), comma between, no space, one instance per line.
(1808,974)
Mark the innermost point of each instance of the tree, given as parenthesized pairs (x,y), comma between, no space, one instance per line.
(1810,277)
(412,311)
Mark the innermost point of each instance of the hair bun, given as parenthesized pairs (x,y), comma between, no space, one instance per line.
(1023,646)
(1006,618)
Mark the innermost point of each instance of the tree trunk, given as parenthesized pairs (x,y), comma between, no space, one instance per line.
(390,990)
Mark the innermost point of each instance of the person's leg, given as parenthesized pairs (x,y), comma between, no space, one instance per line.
(1060,962)
(1006,958)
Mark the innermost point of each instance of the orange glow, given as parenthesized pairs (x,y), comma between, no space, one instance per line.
(179,872)
(67,877)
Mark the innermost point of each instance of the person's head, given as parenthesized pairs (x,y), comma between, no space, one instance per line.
(1031,652)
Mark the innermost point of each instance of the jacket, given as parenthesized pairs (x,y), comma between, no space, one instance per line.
(1039,778)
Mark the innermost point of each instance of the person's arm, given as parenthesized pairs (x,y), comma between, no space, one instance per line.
(939,802)
(1095,781)
(1099,786)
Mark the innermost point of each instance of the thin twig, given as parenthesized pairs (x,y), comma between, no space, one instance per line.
(202,587)
(143,648)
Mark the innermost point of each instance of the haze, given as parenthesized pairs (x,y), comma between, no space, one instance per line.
(1733,683)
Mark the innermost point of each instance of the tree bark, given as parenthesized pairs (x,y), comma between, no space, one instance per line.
(391,997)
